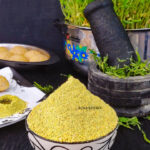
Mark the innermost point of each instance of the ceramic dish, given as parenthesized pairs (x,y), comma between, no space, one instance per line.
(28,65)
(40,143)
(22,88)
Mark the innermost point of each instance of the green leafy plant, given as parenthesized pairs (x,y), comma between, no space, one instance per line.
(133,122)
(73,11)
(136,68)
(129,122)
(132,13)
(46,89)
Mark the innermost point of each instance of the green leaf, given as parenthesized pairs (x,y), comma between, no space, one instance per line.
(136,68)
(46,89)
(64,75)
(133,122)
(147,117)
(138,56)
(119,60)
(144,134)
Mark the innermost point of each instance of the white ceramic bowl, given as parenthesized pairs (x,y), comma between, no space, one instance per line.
(40,143)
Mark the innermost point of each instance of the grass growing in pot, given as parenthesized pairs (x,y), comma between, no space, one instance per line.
(73,11)
(133,14)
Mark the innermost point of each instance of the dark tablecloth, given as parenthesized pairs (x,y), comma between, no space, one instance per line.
(32,22)
(14,137)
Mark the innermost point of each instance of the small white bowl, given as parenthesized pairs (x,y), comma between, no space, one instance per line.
(40,143)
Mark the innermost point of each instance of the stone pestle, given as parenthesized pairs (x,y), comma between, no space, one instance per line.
(110,35)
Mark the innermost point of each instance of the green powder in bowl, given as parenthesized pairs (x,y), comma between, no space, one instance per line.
(72,114)
(10,105)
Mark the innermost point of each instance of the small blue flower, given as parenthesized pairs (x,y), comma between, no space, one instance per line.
(70,48)
(83,55)
(98,55)
(75,55)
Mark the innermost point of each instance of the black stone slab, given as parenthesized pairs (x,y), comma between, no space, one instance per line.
(125,97)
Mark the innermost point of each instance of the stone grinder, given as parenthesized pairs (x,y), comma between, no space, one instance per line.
(130,96)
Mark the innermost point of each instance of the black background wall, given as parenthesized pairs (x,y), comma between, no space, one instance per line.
(31,22)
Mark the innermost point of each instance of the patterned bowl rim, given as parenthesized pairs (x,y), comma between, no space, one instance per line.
(88,28)
(90,141)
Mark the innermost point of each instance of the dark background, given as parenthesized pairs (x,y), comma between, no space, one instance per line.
(32,22)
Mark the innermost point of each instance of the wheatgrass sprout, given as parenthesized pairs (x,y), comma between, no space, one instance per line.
(133,14)
(73,11)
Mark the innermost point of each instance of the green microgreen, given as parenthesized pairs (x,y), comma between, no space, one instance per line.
(133,122)
(64,75)
(135,68)
(73,11)
(46,89)
(132,13)
(147,117)
(129,122)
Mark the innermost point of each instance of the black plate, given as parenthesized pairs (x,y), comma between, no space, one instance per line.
(28,65)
